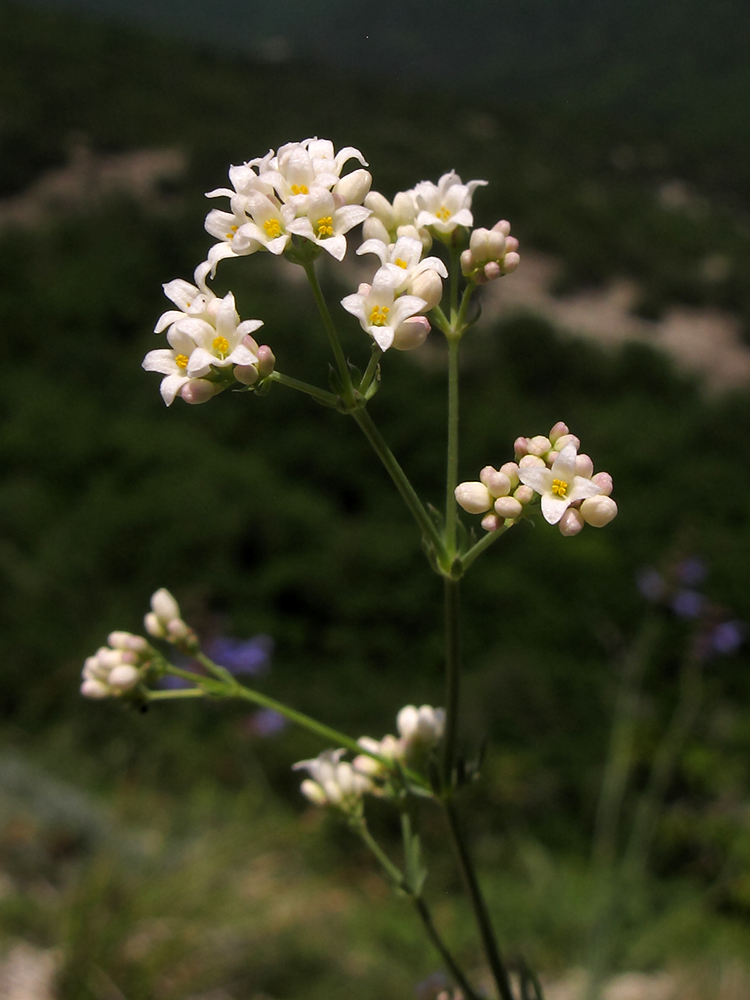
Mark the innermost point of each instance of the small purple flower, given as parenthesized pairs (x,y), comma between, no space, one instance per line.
(727,638)
(266,722)
(688,603)
(242,656)
(691,572)
(651,584)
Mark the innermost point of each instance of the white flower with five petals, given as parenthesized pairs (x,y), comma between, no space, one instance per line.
(379,311)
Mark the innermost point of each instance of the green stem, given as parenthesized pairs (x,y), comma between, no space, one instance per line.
(394,873)
(371,370)
(451,480)
(484,543)
(327,398)
(333,336)
(399,477)
(460,323)
(452,679)
(163,695)
(434,936)
(481,914)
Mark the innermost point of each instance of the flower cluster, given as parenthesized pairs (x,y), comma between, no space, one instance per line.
(491,254)
(209,347)
(297,191)
(404,285)
(571,494)
(116,668)
(342,785)
(164,621)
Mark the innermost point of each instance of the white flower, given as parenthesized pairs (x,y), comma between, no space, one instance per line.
(325,224)
(220,344)
(191,300)
(173,363)
(447,204)
(333,782)
(559,486)
(378,310)
(403,261)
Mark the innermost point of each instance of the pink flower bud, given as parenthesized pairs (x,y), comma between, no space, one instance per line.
(124,677)
(197,390)
(524,494)
(508,507)
(511,262)
(532,462)
(411,333)
(604,481)
(502,227)
(539,445)
(571,522)
(558,430)
(598,511)
(428,285)
(266,360)
(584,466)
(468,264)
(492,270)
(92,688)
(521,447)
(474,498)
(246,374)
(510,469)
(498,484)
(491,522)
(566,439)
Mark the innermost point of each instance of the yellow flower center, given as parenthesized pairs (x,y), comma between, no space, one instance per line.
(379,316)
(325,227)
(181,361)
(400,263)
(232,231)
(272,228)
(560,488)
(443,214)
(221,345)
(299,189)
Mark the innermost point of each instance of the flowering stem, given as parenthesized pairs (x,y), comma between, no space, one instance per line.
(371,370)
(452,679)
(401,883)
(399,477)
(481,914)
(451,480)
(162,695)
(484,543)
(322,396)
(333,336)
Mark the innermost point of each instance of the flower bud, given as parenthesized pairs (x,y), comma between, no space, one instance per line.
(198,390)
(266,360)
(598,511)
(532,462)
(496,482)
(511,262)
(246,374)
(503,226)
(539,445)
(475,498)
(314,792)
(491,271)
(124,677)
(428,285)
(373,229)
(604,481)
(508,507)
(354,186)
(566,439)
(421,725)
(177,630)
(521,447)
(411,333)
(92,688)
(510,469)
(571,522)
(490,522)
(524,494)
(584,466)
(404,210)
(381,209)
(468,264)
(164,606)
(153,626)
(557,431)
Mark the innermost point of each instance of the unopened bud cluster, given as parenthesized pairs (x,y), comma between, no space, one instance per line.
(164,621)
(491,254)
(341,785)
(572,495)
(116,668)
